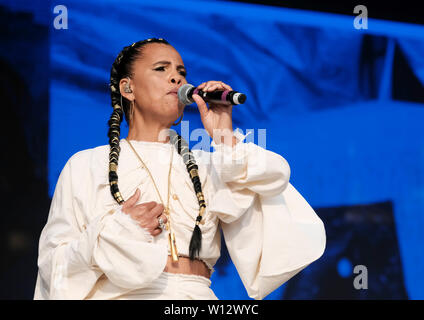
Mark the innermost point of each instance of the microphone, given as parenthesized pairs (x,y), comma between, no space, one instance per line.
(186,91)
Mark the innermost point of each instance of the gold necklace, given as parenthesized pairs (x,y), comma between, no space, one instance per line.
(171,235)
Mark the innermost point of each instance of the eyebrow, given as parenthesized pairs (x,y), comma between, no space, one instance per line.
(168,63)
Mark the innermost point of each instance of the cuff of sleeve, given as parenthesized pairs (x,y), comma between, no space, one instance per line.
(225,147)
(115,223)
(125,225)
(80,251)
(126,252)
(231,161)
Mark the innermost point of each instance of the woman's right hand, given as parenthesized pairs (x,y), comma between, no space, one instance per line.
(146,214)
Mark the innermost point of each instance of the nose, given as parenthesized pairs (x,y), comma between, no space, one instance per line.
(176,80)
(176,77)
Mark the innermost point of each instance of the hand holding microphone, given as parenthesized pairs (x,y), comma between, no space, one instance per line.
(217,119)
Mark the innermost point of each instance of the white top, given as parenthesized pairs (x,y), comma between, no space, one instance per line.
(270,231)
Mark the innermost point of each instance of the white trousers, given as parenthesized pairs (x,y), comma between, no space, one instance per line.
(174,286)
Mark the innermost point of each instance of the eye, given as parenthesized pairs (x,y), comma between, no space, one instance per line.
(183,73)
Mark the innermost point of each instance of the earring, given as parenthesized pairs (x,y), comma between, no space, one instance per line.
(174,124)
(127,88)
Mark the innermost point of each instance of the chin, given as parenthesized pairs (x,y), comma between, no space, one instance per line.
(173,108)
(171,112)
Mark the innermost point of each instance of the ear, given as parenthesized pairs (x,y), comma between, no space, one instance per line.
(124,83)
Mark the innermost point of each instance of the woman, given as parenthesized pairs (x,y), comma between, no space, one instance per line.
(154,233)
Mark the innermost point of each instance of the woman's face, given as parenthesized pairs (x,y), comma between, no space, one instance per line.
(159,71)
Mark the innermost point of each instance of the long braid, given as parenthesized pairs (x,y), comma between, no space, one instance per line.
(190,162)
(115,123)
(121,68)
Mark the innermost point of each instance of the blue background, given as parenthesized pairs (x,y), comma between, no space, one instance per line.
(333,101)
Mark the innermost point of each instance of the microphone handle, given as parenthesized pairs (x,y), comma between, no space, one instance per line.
(220,96)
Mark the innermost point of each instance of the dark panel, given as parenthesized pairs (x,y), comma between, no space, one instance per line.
(406,86)
(356,235)
(24,57)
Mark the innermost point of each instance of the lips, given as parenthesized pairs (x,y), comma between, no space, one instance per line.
(173,91)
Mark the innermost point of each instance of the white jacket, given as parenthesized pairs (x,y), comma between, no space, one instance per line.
(270,231)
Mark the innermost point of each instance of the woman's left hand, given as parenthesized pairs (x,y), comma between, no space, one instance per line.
(217,119)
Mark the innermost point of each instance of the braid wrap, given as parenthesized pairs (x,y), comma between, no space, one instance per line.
(188,158)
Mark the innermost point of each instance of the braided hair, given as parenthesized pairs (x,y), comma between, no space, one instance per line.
(122,68)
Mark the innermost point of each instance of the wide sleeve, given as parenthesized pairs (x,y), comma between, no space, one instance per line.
(270,231)
(72,256)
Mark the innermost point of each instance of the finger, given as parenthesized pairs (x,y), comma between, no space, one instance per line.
(209,87)
(156,232)
(215,86)
(208,84)
(226,86)
(201,104)
(132,200)
(157,210)
(147,205)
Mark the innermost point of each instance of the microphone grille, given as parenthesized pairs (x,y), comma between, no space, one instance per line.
(183,94)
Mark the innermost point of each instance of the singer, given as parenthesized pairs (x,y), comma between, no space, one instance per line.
(140,218)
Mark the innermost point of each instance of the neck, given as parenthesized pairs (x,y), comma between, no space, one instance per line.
(150,131)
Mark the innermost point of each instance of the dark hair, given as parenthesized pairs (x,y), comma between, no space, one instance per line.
(122,68)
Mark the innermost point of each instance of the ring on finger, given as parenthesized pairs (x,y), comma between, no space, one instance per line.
(161,223)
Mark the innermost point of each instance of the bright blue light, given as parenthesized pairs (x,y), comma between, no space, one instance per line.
(344,267)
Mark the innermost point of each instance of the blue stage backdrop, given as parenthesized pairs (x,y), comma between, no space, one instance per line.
(337,102)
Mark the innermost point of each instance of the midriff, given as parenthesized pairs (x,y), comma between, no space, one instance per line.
(186,266)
